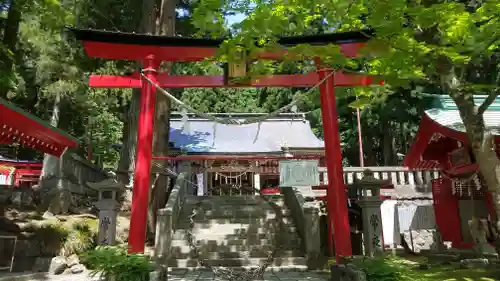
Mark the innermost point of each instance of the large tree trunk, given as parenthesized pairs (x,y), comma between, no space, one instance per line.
(388,143)
(165,25)
(56,200)
(483,148)
(157,18)
(10,38)
(126,165)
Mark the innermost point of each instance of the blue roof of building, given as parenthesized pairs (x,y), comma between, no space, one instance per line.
(205,136)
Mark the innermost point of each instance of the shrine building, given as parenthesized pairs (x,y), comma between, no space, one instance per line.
(231,159)
(459,193)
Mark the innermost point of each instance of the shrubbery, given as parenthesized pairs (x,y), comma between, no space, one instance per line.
(113,263)
(384,269)
(65,238)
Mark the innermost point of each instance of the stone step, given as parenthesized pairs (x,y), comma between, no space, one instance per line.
(239,223)
(236,210)
(279,261)
(204,221)
(255,253)
(290,268)
(213,247)
(222,202)
(233,215)
(201,241)
(231,200)
(218,236)
(235,228)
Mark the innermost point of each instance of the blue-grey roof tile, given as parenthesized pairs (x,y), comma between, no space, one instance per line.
(202,135)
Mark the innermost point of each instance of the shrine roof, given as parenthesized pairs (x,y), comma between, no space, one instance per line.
(451,119)
(445,102)
(445,113)
(178,41)
(19,126)
(444,119)
(205,136)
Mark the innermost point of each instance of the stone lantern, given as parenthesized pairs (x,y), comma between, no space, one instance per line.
(367,191)
(107,204)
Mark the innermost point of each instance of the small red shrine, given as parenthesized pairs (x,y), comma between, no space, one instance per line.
(153,50)
(20,127)
(459,195)
(19,173)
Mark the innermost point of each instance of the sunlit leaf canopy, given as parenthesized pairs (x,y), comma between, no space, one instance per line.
(413,41)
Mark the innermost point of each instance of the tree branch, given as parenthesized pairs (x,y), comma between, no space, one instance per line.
(487,102)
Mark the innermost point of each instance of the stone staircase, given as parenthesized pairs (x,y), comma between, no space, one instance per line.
(236,232)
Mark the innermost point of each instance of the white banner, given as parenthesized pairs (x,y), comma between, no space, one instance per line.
(200,184)
(299,173)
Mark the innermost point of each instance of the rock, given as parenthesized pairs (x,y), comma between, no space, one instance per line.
(419,240)
(72,260)
(57,265)
(42,264)
(340,272)
(16,198)
(160,274)
(49,216)
(474,263)
(67,271)
(78,268)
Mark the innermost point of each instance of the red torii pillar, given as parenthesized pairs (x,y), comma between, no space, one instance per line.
(142,175)
(339,230)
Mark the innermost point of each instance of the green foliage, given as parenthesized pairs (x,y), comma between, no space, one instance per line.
(82,236)
(113,263)
(65,238)
(383,269)
(419,41)
(401,269)
(51,235)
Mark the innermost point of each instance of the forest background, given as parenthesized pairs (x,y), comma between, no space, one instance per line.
(44,71)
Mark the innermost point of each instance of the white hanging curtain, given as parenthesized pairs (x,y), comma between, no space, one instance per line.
(200,190)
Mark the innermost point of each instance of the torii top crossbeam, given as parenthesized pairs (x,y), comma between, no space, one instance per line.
(19,126)
(152,50)
(130,46)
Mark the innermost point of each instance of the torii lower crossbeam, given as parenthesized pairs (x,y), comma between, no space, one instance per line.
(190,81)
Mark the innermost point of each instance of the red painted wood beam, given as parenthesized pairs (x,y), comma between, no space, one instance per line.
(234,157)
(18,126)
(190,81)
(117,51)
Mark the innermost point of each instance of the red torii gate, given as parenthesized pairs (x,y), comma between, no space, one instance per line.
(152,50)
